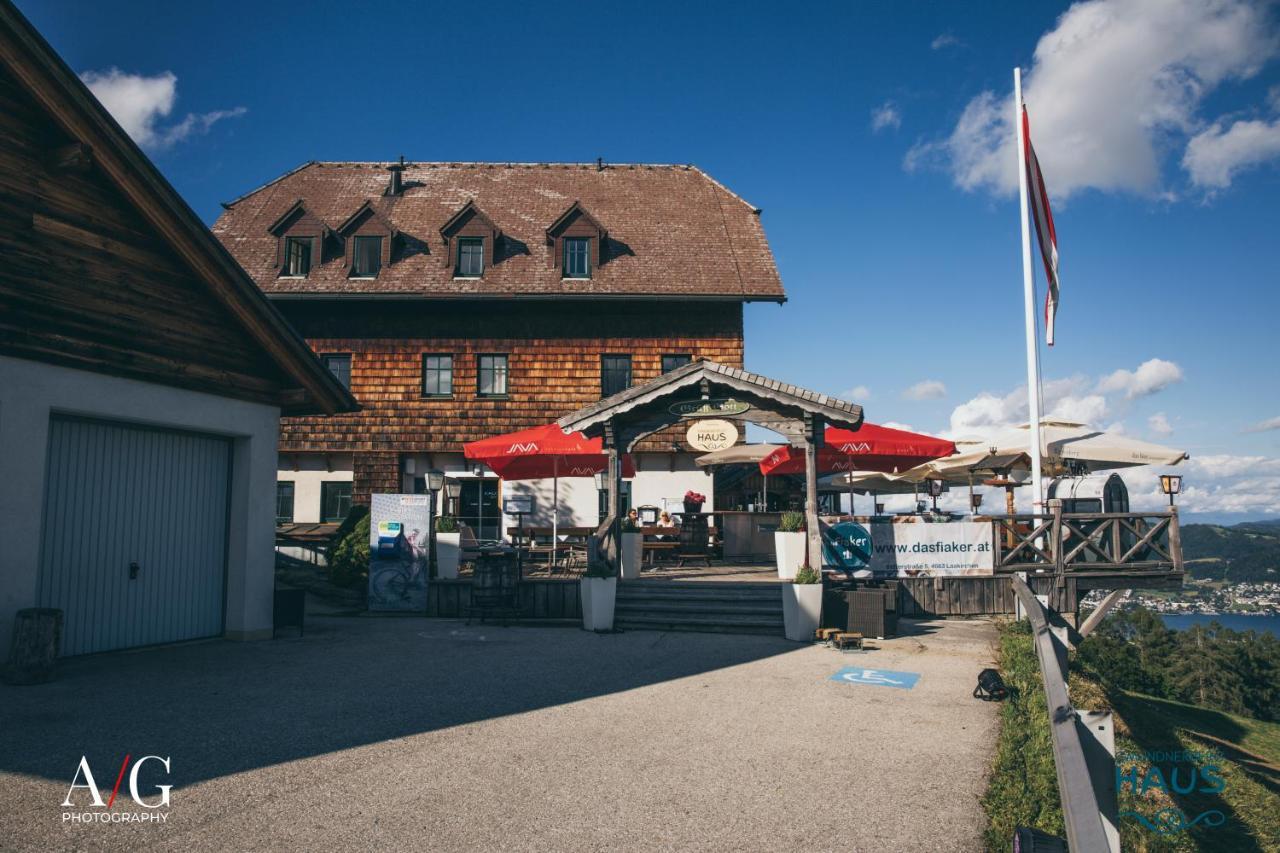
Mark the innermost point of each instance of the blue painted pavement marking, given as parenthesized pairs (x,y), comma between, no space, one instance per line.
(877,677)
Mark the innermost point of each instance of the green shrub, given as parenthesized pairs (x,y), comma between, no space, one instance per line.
(354,515)
(807,575)
(446,524)
(791,522)
(349,559)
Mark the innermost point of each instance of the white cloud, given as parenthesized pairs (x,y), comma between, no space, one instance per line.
(945,40)
(887,115)
(856,393)
(1113,87)
(1159,424)
(1152,376)
(1214,156)
(1264,426)
(140,103)
(928,389)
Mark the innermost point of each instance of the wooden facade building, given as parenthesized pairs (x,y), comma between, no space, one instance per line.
(464,300)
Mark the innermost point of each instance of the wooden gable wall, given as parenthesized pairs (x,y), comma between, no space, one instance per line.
(554,351)
(85,282)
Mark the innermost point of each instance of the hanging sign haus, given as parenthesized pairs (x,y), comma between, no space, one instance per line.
(708,408)
(711,434)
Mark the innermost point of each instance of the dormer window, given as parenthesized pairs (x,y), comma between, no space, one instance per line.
(577,257)
(577,242)
(297,256)
(300,242)
(366,257)
(470,257)
(470,240)
(369,239)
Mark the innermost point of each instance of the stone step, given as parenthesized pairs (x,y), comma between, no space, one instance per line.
(768,608)
(723,624)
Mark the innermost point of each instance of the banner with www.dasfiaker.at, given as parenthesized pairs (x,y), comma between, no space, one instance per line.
(910,550)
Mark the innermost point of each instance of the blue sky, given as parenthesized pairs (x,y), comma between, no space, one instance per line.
(864,134)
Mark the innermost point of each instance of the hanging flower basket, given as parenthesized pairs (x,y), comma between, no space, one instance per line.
(693,501)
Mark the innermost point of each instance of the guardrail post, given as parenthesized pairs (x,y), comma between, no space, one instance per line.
(1098,737)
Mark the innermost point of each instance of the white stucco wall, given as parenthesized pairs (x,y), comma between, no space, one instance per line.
(307,471)
(31,391)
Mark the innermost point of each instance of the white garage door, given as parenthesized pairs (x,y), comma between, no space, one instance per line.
(134,538)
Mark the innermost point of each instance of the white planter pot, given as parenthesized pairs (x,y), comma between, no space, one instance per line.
(801,610)
(597,602)
(632,554)
(448,554)
(789,549)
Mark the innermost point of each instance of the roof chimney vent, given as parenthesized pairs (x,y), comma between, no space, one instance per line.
(396,187)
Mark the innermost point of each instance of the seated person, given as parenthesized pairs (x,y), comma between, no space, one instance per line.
(667,522)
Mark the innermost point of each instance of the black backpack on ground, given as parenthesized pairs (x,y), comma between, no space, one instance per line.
(990,687)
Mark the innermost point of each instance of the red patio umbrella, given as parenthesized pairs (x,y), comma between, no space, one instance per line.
(868,448)
(541,452)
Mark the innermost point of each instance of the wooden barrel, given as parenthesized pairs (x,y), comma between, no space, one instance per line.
(37,635)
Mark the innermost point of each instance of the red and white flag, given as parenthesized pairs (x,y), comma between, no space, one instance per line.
(1044,228)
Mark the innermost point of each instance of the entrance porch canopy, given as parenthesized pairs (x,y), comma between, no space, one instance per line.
(800,415)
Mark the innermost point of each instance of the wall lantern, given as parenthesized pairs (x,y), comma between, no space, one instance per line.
(1171,484)
(975,502)
(601,479)
(435,480)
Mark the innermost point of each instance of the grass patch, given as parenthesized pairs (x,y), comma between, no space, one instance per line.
(1023,790)
(1024,784)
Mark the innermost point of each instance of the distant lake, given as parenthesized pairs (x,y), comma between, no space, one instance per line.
(1234,621)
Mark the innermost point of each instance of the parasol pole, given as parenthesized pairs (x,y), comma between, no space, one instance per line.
(555,510)
(1029,298)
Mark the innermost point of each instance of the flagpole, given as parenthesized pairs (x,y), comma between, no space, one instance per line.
(1029,296)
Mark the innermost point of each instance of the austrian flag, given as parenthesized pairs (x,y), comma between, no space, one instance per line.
(1044,228)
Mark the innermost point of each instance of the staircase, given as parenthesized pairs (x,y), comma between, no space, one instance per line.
(727,608)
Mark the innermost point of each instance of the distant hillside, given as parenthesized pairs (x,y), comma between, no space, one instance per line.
(1249,551)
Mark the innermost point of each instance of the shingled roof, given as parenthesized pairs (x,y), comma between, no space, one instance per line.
(673,231)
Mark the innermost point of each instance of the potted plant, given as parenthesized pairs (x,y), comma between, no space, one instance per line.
(789,544)
(693,501)
(802,604)
(632,550)
(597,589)
(448,547)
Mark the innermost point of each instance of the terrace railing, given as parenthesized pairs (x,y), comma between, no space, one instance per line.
(1064,542)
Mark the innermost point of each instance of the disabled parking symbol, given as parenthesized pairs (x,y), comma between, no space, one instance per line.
(877,677)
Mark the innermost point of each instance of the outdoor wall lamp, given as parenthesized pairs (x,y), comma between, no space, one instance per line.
(975,502)
(453,489)
(435,480)
(1171,484)
(601,479)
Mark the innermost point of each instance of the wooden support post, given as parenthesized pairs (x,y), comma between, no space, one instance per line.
(813,436)
(1059,554)
(1175,540)
(614,475)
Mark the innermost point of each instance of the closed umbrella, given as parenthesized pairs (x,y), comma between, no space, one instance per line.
(541,452)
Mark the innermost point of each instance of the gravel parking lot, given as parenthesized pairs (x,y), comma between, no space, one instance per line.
(428,734)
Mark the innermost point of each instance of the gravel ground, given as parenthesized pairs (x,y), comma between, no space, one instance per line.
(379,733)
